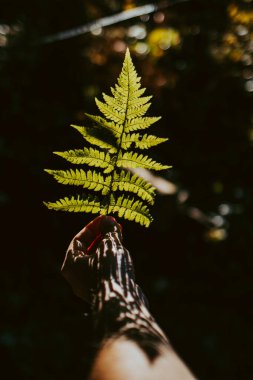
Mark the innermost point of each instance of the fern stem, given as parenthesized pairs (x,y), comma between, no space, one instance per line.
(119,147)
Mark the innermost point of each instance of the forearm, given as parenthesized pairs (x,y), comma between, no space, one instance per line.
(132,344)
(119,305)
(122,359)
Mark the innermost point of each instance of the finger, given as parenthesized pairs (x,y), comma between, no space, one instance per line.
(92,233)
(107,224)
(75,270)
(89,233)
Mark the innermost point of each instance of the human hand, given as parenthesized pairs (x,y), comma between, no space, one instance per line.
(77,268)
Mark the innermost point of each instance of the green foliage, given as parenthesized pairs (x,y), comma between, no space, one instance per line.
(114,153)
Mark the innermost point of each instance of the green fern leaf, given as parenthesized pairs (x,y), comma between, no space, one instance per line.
(121,108)
(140,123)
(135,160)
(140,141)
(115,134)
(133,113)
(115,129)
(79,204)
(125,181)
(113,103)
(119,92)
(110,112)
(147,141)
(130,209)
(89,156)
(135,108)
(95,137)
(137,102)
(90,180)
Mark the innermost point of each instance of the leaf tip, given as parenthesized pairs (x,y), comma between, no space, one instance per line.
(58,153)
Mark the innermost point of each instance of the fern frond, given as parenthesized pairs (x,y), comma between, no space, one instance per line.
(88,204)
(147,141)
(114,132)
(110,112)
(140,123)
(125,181)
(135,160)
(95,137)
(128,77)
(115,129)
(136,102)
(133,104)
(133,112)
(128,139)
(89,156)
(126,103)
(140,141)
(130,209)
(118,92)
(113,102)
(90,180)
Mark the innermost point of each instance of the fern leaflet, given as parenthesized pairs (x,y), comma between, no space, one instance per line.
(89,156)
(125,181)
(93,136)
(136,160)
(90,180)
(79,204)
(140,141)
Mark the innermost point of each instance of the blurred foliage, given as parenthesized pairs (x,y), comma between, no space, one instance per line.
(195,263)
(237,43)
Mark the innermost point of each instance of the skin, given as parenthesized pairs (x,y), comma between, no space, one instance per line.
(119,357)
(123,360)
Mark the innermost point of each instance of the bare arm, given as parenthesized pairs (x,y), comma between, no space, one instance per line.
(132,345)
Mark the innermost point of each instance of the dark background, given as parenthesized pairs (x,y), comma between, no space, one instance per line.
(195,262)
